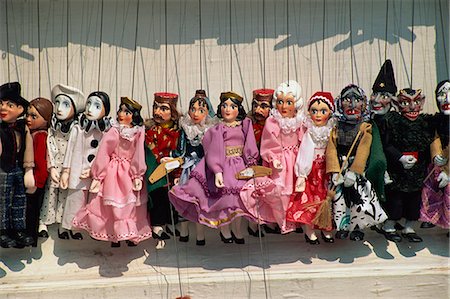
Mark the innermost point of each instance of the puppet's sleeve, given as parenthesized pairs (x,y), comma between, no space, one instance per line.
(213,144)
(251,154)
(332,160)
(363,150)
(40,159)
(107,146)
(28,157)
(73,147)
(270,144)
(138,166)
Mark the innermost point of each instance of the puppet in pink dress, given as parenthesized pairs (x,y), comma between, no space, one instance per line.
(119,211)
(312,181)
(279,147)
(211,195)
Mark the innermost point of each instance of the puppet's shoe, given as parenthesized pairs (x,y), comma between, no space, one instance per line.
(237,240)
(76,236)
(184,239)
(299,230)
(161,235)
(398,226)
(64,235)
(43,234)
(200,242)
(341,234)
(23,239)
(357,235)
(169,231)
(327,239)
(7,242)
(115,244)
(427,225)
(130,243)
(254,233)
(392,236)
(226,240)
(412,237)
(270,230)
(310,241)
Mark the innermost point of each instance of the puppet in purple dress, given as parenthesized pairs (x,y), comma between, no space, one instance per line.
(211,196)
(119,211)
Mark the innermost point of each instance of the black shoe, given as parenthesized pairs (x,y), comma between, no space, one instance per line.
(299,230)
(326,239)
(22,239)
(43,234)
(162,235)
(184,239)
(76,236)
(341,234)
(130,243)
(115,244)
(412,237)
(448,235)
(254,233)
(377,229)
(64,235)
(237,240)
(226,240)
(398,226)
(200,242)
(357,235)
(427,225)
(7,242)
(270,230)
(392,236)
(169,231)
(312,242)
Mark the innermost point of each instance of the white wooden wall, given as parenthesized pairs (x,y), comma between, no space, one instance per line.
(120,47)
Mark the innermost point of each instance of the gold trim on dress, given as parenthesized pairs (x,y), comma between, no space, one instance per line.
(234,151)
(223,220)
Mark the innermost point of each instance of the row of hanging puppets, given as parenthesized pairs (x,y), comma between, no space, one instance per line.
(331,165)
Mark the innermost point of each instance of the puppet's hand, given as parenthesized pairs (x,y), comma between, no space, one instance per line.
(86,173)
(137,185)
(440,160)
(443,179)
(28,178)
(95,186)
(300,184)
(337,178)
(64,180)
(31,190)
(165,159)
(54,175)
(219,180)
(407,161)
(277,164)
(176,181)
(349,178)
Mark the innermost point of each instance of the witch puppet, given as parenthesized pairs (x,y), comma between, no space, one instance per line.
(68,102)
(16,167)
(435,207)
(161,138)
(82,148)
(193,126)
(355,203)
(211,195)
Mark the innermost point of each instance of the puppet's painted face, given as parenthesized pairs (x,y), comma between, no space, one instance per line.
(229,111)
(63,107)
(410,103)
(94,108)
(198,113)
(380,102)
(260,110)
(125,116)
(353,105)
(443,98)
(162,113)
(34,119)
(320,113)
(9,111)
(286,105)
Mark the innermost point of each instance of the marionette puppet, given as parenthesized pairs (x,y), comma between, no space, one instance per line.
(16,167)
(435,208)
(161,138)
(119,211)
(82,148)
(355,203)
(193,127)
(312,180)
(211,195)
(68,102)
(407,148)
(39,116)
(280,142)
(380,103)
(261,106)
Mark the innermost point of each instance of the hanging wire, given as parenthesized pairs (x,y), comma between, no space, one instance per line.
(165,42)
(231,47)
(351,36)
(287,38)
(412,43)
(7,39)
(200,37)
(135,50)
(100,46)
(443,38)
(264,41)
(67,49)
(323,45)
(386,30)
(39,49)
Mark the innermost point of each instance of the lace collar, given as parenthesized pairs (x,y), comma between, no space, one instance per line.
(286,124)
(196,131)
(232,124)
(319,135)
(124,131)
